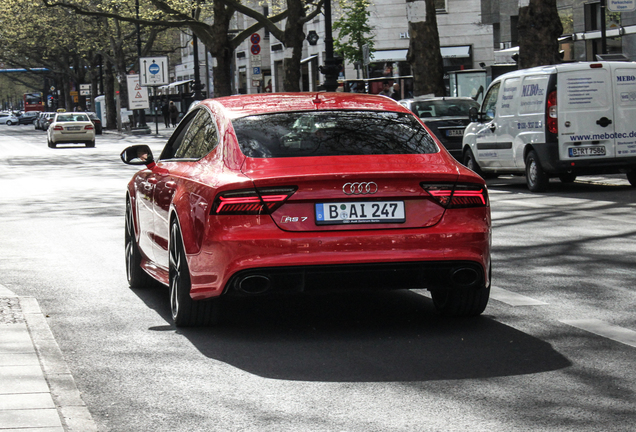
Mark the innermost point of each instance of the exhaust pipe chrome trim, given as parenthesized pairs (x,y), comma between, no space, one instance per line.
(465,276)
(254,284)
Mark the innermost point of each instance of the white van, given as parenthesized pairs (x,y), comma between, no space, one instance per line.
(556,121)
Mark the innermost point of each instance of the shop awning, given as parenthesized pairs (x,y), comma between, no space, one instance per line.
(311,57)
(400,55)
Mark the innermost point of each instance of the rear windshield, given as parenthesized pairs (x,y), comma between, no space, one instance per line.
(443,108)
(332,133)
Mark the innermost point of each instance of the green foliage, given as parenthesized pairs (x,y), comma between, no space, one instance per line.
(353,31)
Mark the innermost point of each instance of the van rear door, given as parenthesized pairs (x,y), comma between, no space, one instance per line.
(585,112)
(624,81)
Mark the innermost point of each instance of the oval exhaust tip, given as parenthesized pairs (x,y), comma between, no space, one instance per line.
(465,276)
(254,284)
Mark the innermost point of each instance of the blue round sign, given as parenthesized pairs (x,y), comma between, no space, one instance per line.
(154,69)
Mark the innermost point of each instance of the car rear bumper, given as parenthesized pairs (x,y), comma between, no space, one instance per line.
(231,259)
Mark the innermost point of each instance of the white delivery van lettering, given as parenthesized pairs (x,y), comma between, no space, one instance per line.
(626,78)
(585,91)
(532,90)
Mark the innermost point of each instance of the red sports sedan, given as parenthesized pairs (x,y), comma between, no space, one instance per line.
(305,192)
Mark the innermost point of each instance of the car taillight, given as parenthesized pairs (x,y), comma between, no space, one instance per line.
(58,128)
(461,195)
(552,113)
(88,127)
(251,201)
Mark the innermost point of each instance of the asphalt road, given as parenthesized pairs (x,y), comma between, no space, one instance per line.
(554,350)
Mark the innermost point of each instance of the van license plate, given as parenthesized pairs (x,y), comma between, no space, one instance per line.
(586,151)
(360,212)
(455,132)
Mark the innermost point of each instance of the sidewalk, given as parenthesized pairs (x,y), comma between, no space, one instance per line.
(37,390)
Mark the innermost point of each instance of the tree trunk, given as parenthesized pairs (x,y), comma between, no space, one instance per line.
(294,38)
(424,53)
(109,95)
(539,30)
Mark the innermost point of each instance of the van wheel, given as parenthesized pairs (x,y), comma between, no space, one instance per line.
(631,177)
(471,163)
(536,179)
(567,177)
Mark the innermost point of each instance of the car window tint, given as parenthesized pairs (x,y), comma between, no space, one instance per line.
(200,139)
(64,118)
(177,139)
(332,133)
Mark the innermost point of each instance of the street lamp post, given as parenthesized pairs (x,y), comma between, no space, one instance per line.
(332,65)
(141,112)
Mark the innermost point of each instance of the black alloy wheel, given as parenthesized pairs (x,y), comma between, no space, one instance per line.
(185,311)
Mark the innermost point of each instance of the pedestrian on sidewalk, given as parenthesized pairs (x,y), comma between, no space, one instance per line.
(165,111)
(174,114)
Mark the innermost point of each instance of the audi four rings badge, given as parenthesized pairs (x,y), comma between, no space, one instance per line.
(360,188)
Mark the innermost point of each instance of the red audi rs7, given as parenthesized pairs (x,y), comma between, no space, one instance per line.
(305,192)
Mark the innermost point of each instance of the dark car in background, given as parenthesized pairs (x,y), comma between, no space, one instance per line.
(96,122)
(28,117)
(446,117)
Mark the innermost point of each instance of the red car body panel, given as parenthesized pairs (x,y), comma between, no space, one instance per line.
(219,246)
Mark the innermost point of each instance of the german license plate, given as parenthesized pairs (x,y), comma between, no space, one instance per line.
(455,132)
(586,151)
(360,212)
(73,128)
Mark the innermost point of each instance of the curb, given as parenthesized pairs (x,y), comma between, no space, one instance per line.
(72,410)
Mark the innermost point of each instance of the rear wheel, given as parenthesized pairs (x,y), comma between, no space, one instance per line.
(631,177)
(50,143)
(461,302)
(137,278)
(567,177)
(185,311)
(90,144)
(536,179)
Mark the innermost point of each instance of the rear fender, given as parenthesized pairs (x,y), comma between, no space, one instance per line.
(191,212)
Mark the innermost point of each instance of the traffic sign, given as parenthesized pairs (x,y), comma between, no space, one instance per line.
(85,89)
(621,5)
(154,71)
(255,38)
(255,49)
(256,70)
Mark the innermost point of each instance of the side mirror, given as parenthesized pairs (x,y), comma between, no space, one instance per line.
(137,155)
(473,114)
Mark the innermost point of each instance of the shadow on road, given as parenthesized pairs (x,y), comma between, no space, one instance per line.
(361,337)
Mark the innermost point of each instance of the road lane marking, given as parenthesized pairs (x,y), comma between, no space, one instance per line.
(513,299)
(606,330)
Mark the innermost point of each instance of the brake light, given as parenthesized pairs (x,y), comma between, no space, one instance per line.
(462,195)
(58,128)
(552,113)
(88,127)
(251,201)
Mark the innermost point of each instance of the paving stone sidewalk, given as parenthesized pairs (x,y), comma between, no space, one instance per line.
(37,390)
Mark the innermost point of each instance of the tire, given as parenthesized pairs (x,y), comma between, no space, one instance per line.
(9,123)
(185,311)
(567,177)
(631,177)
(50,143)
(536,179)
(90,144)
(470,162)
(137,278)
(461,302)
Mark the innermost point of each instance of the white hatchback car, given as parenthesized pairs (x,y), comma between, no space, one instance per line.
(71,128)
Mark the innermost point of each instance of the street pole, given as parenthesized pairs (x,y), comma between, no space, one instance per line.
(331,67)
(603,29)
(141,114)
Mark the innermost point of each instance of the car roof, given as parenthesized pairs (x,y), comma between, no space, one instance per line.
(438,98)
(263,103)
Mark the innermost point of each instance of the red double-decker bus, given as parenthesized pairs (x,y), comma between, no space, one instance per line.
(34,102)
